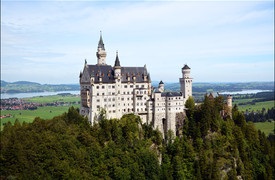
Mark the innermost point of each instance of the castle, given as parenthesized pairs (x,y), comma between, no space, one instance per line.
(122,90)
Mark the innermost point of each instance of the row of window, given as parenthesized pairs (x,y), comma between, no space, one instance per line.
(113,86)
(140,98)
(170,98)
(122,99)
(169,104)
(113,93)
(124,104)
(126,110)
(168,109)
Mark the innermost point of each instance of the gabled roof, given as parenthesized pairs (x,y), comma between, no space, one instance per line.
(106,72)
(171,94)
(186,67)
(137,72)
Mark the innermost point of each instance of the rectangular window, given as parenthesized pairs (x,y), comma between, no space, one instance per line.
(125,86)
(131,86)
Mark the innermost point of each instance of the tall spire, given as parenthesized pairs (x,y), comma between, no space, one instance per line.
(100,43)
(101,54)
(117,62)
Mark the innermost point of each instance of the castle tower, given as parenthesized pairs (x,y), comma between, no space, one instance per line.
(186,83)
(101,53)
(161,86)
(229,104)
(118,79)
(117,67)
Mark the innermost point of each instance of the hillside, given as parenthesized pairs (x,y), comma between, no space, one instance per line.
(198,88)
(208,147)
(223,87)
(26,86)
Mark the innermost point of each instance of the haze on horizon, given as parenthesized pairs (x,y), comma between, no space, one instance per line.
(48,41)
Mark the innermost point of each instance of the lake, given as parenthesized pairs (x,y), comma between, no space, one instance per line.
(33,94)
(254,91)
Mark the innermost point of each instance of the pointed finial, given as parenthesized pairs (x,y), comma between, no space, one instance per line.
(117,63)
(100,43)
(85,61)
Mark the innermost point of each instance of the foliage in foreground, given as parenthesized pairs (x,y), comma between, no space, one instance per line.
(67,147)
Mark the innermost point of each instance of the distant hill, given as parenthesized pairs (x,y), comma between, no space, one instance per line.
(4,83)
(26,86)
(25,83)
(203,87)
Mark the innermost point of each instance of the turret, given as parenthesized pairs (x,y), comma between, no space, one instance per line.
(161,86)
(185,71)
(186,82)
(101,53)
(229,105)
(117,67)
(229,101)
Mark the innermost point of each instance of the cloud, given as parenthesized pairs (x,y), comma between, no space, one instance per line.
(163,35)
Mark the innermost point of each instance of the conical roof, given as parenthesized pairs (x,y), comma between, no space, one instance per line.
(100,43)
(186,67)
(117,62)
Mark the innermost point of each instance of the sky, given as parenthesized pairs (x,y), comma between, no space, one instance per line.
(221,41)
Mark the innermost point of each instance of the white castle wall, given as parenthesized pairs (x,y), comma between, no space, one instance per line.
(123,98)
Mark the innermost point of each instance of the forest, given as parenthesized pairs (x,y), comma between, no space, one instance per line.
(208,146)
